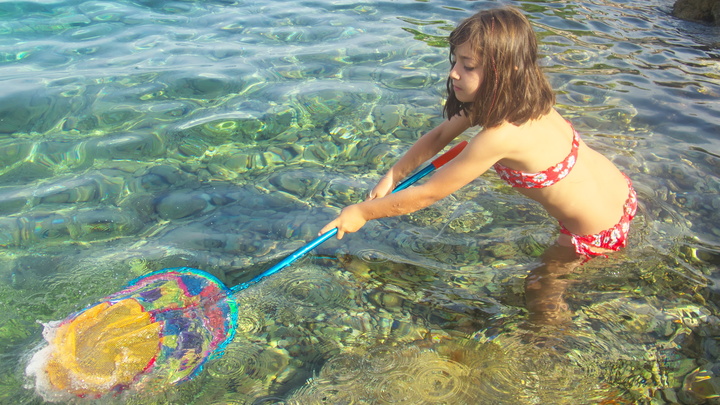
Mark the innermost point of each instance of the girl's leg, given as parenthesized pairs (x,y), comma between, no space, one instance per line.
(546,285)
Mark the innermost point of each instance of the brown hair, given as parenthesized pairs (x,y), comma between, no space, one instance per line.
(513,88)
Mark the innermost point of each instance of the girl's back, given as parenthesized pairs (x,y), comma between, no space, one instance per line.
(590,198)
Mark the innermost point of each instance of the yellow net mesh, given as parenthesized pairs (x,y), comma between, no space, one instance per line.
(104,347)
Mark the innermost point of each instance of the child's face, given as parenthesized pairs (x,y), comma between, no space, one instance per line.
(465,74)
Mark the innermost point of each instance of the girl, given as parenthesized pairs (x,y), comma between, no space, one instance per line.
(495,82)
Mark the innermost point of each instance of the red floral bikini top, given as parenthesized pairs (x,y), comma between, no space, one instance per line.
(545,178)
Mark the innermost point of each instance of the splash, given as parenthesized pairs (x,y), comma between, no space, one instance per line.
(100,350)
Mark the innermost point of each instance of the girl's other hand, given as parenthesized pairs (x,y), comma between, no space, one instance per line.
(350,220)
(383,188)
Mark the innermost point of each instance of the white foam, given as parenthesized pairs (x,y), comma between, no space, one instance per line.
(36,367)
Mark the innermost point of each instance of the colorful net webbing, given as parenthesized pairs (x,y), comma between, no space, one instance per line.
(163,326)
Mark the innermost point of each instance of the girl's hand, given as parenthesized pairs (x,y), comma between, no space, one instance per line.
(350,220)
(383,188)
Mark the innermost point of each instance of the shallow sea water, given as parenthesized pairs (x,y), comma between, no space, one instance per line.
(141,135)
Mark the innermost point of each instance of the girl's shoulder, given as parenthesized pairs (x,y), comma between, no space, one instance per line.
(504,134)
(498,141)
(521,145)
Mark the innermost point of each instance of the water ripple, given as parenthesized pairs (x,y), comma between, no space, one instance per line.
(240,360)
(312,289)
(439,380)
(343,367)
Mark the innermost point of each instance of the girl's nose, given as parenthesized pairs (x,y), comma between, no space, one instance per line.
(454,74)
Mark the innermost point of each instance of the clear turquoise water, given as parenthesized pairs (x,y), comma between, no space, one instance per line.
(139,135)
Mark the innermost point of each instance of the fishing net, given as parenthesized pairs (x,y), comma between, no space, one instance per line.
(161,328)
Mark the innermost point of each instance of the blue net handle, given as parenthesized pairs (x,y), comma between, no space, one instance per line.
(435,164)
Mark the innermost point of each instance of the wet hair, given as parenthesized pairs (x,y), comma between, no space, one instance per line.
(513,88)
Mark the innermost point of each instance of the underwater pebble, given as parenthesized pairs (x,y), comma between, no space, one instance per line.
(222,172)
(298,183)
(170,174)
(13,200)
(194,149)
(387,117)
(178,205)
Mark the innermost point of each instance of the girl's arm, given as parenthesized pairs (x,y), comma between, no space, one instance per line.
(426,147)
(481,153)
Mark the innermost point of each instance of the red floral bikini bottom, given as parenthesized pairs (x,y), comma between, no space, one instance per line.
(613,238)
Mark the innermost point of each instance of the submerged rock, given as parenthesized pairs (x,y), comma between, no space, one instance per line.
(698,10)
(180,205)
